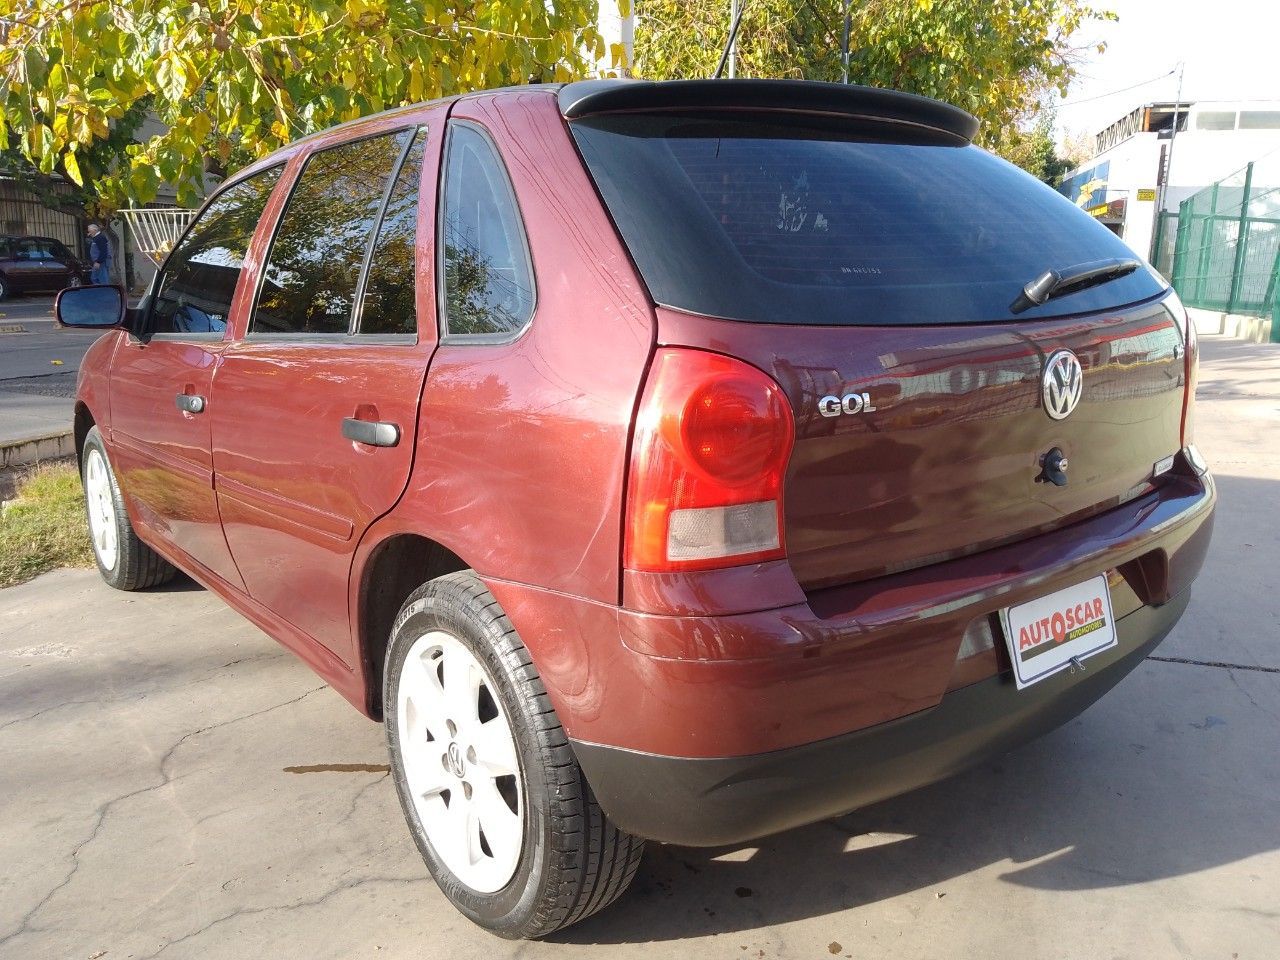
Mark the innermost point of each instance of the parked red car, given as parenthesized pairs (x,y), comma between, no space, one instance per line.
(683,461)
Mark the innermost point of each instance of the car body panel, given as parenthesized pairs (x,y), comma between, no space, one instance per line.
(543,420)
(161,454)
(948,461)
(294,494)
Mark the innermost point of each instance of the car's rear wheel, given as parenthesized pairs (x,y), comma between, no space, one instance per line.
(74,281)
(124,561)
(4,289)
(494,798)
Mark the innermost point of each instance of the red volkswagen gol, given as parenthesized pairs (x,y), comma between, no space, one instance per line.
(683,461)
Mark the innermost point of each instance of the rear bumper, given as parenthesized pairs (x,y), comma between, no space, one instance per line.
(723,800)
(716,720)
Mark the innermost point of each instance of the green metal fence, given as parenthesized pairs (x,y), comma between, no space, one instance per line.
(1226,256)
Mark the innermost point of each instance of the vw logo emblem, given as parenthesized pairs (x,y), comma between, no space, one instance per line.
(457,766)
(1062,384)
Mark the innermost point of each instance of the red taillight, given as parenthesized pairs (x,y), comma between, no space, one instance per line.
(713,437)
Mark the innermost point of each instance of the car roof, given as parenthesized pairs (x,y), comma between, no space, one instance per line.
(351,129)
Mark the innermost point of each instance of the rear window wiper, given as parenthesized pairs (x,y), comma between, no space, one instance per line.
(1059,283)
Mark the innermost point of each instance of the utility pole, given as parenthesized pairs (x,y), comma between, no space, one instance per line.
(844,47)
(1168,166)
(729,55)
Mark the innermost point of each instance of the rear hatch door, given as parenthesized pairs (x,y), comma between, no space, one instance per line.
(874,261)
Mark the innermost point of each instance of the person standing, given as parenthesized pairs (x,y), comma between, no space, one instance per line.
(99,254)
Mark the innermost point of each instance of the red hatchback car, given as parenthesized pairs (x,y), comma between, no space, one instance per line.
(683,461)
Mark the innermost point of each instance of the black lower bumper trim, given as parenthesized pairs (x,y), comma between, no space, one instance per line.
(724,800)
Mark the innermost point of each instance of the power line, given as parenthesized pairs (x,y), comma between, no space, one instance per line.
(1103,96)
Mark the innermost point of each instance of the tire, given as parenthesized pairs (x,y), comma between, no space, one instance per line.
(73,281)
(568,860)
(124,561)
(4,289)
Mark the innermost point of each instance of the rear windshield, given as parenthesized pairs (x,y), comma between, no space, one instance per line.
(786,222)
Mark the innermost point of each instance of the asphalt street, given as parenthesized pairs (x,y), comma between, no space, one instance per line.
(37,369)
(175,784)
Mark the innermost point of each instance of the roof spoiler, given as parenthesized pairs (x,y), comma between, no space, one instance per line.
(588,97)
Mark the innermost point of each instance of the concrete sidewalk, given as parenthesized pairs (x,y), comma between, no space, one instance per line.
(175,784)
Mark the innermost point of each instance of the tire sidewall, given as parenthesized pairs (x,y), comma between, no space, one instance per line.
(506,911)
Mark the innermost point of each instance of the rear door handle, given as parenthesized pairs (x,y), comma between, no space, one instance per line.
(189,403)
(376,433)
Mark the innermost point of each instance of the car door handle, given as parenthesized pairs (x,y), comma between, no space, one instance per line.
(189,403)
(376,433)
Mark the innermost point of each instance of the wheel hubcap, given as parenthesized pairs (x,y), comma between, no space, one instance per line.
(101,508)
(460,763)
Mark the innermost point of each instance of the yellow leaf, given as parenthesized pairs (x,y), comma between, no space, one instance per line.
(200,126)
(80,129)
(72,166)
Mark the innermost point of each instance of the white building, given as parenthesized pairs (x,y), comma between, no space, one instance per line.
(1137,159)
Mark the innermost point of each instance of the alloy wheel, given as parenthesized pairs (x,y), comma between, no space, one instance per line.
(101,508)
(460,761)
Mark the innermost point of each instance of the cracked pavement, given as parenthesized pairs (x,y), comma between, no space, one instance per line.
(174,784)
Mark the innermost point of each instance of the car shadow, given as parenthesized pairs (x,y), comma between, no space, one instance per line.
(179,584)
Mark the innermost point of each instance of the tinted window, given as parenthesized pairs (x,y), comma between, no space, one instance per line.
(488,277)
(59,251)
(34,248)
(309,283)
(786,222)
(388,304)
(193,294)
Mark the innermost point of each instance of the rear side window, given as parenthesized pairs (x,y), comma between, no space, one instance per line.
(194,290)
(488,277)
(785,221)
(35,248)
(309,283)
(388,305)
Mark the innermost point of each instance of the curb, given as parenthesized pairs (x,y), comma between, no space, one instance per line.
(12,328)
(18,453)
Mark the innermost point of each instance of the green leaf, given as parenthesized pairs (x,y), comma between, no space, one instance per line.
(173,75)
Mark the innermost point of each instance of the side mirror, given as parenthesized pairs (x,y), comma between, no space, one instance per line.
(96,307)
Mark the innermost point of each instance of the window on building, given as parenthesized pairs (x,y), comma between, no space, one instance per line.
(488,275)
(309,282)
(388,305)
(193,294)
(1260,119)
(1216,120)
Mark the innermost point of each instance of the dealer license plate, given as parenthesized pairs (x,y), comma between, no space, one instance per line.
(1047,634)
